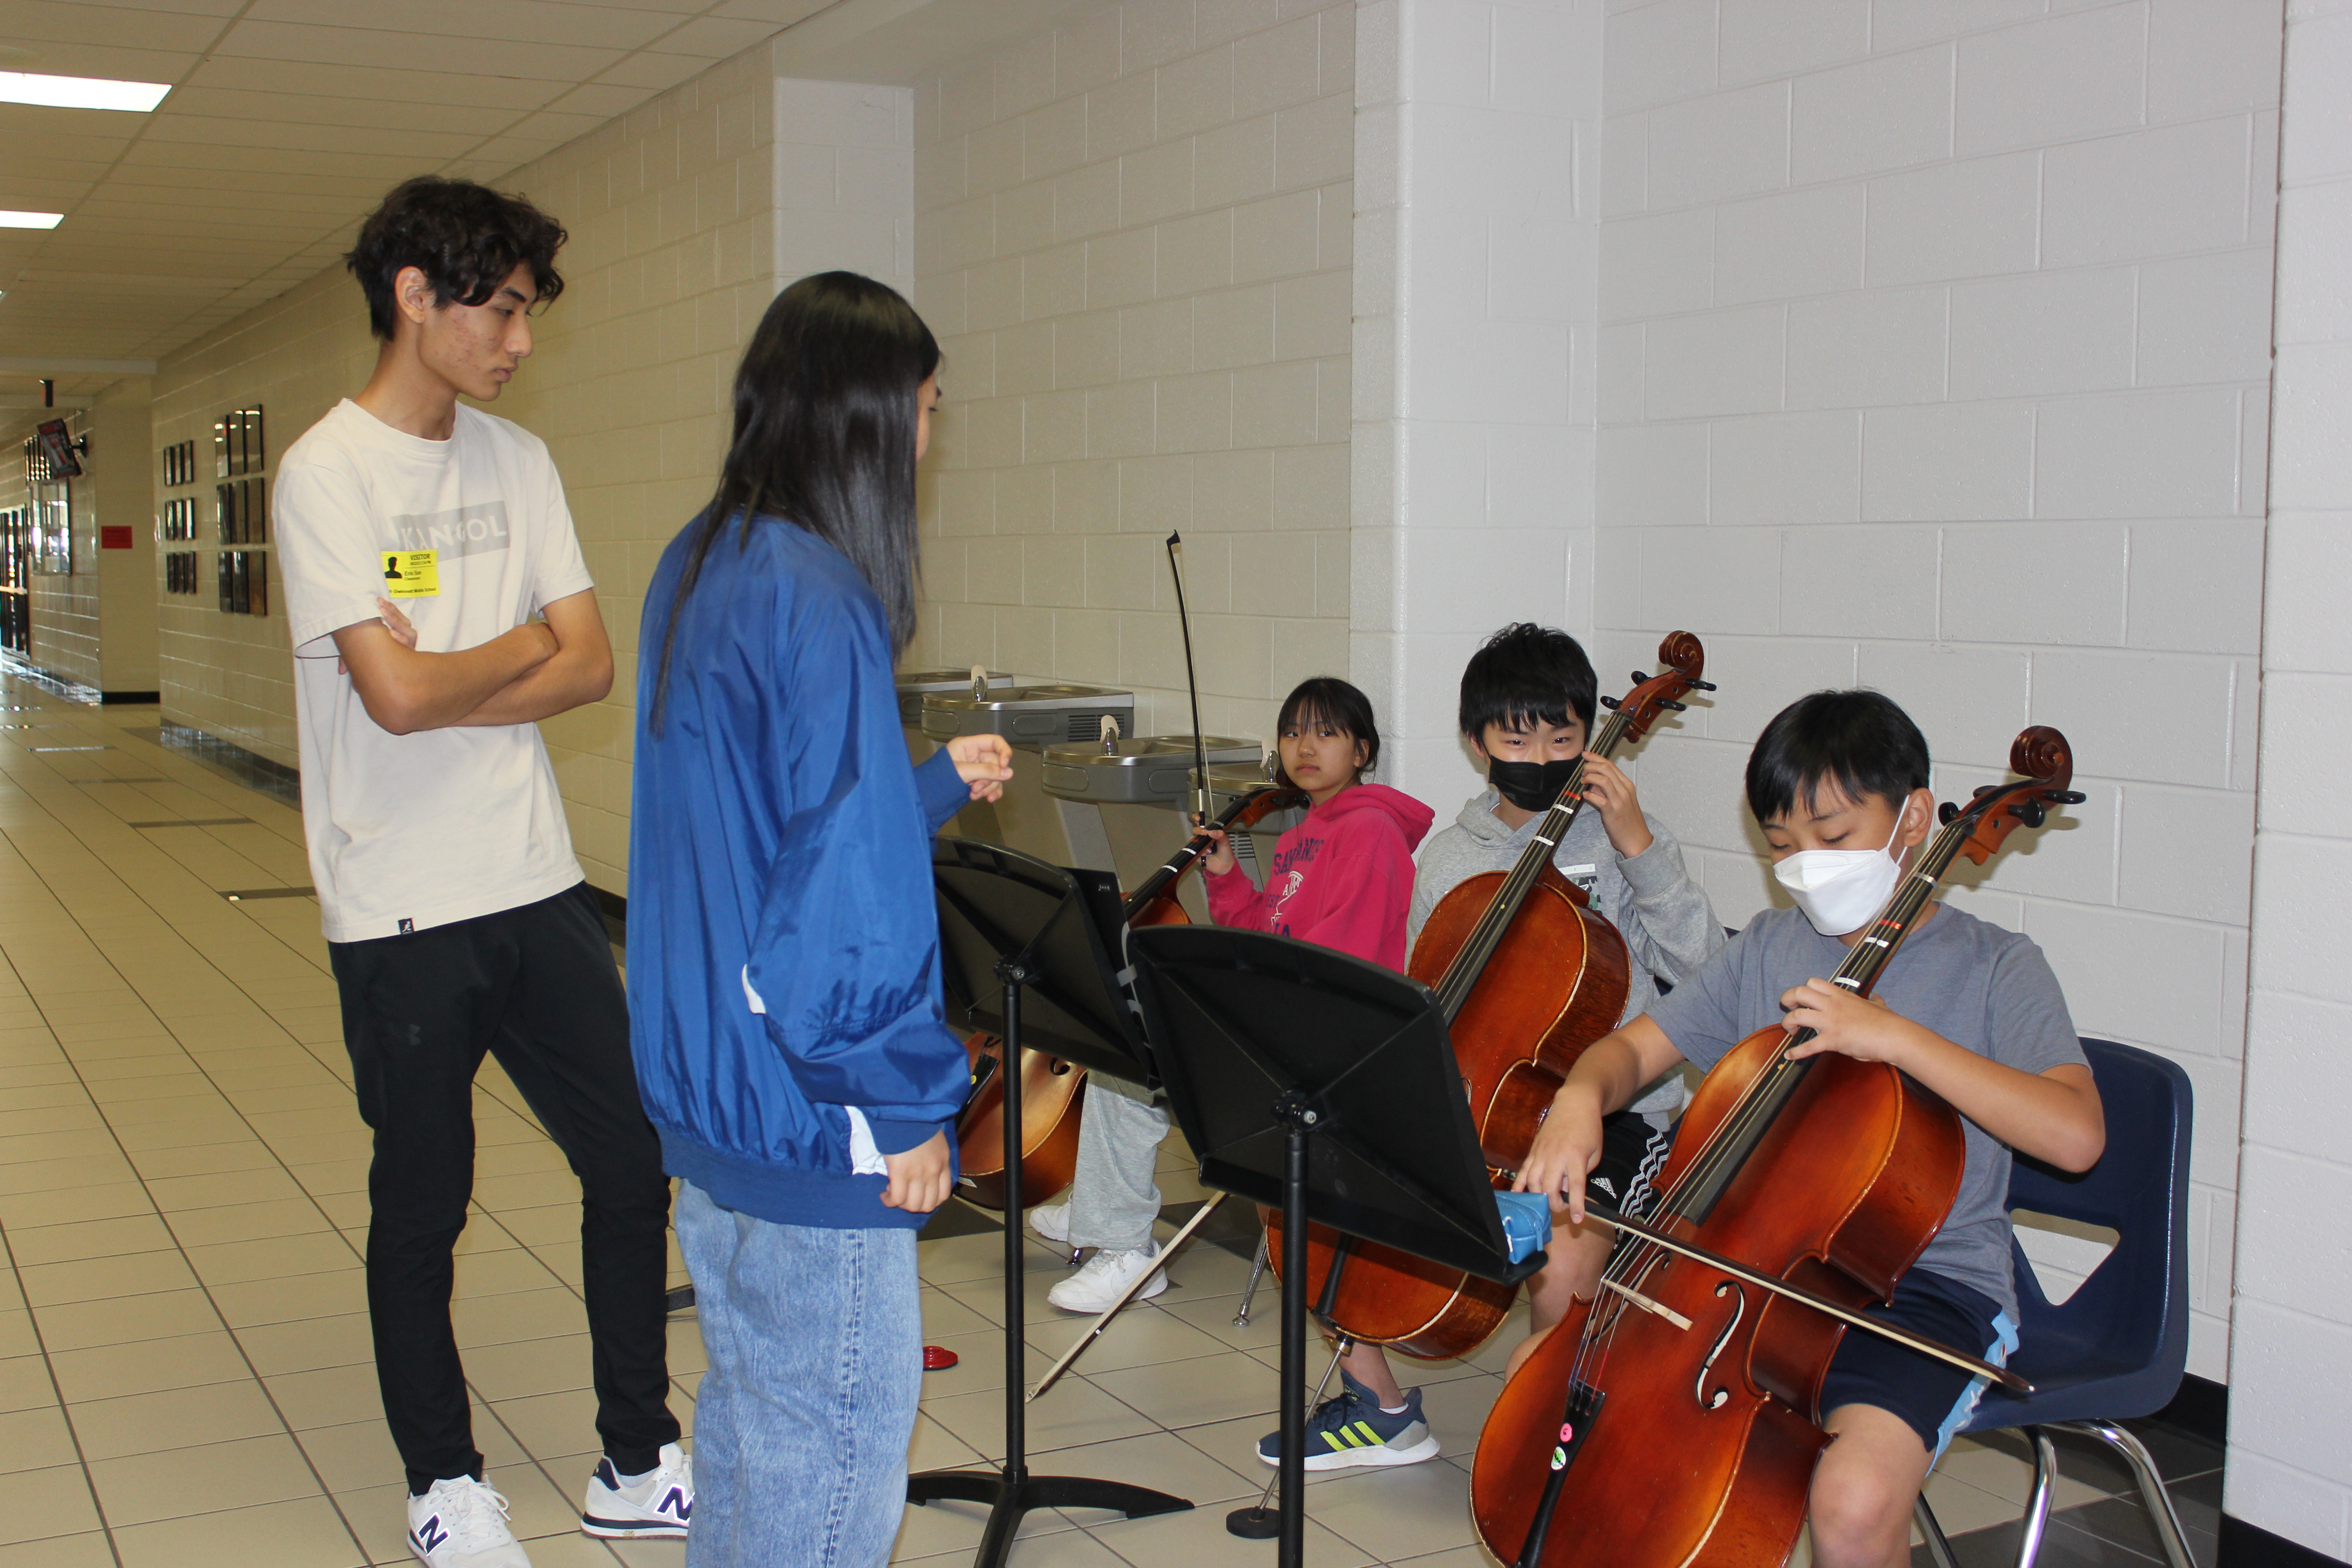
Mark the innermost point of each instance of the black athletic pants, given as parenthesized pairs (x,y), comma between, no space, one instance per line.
(536,987)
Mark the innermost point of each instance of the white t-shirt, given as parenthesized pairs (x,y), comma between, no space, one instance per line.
(412,831)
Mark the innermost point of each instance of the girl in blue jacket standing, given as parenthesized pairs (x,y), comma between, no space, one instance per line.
(784,948)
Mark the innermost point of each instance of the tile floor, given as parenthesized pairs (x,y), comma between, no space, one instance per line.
(184,1374)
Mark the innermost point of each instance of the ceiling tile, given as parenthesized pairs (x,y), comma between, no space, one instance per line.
(310,109)
(369,81)
(108,60)
(409,51)
(716,38)
(38,23)
(223,10)
(389,168)
(476,22)
(602,100)
(780,12)
(654,73)
(420,146)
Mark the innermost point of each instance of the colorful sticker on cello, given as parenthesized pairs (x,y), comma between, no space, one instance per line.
(1559,1458)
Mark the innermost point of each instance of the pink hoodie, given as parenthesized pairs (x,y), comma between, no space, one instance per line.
(1342,877)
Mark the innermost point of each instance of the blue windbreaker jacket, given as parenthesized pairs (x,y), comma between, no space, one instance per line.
(780,852)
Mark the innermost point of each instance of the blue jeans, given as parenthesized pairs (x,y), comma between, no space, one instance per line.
(803,1422)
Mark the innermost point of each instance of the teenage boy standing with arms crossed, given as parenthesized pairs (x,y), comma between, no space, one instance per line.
(418,540)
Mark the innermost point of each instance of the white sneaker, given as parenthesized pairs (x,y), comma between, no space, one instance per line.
(1051,1221)
(1094,1287)
(660,1503)
(462,1523)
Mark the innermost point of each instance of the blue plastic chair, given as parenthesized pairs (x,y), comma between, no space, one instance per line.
(2117,1348)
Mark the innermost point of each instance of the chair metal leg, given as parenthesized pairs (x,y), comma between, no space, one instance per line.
(2037,1505)
(1938,1549)
(1249,1291)
(2151,1486)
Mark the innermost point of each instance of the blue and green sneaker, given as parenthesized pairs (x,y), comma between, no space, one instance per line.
(1352,1429)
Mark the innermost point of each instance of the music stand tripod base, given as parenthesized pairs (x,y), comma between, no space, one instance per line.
(1015,904)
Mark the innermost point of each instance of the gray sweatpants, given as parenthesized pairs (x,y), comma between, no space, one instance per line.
(1113,1198)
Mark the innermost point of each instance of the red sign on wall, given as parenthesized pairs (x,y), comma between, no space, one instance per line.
(114,536)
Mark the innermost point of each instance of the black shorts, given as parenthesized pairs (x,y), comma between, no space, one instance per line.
(1935,1399)
(1631,1153)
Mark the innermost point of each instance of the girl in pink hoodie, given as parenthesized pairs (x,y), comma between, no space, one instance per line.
(1343,878)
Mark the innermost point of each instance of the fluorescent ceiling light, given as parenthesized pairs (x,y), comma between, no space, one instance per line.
(30,220)
(80,91)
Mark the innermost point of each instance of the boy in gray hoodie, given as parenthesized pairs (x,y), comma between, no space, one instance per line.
(1528,700)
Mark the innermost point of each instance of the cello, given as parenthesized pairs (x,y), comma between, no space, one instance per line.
(1053,1091)
(1528,975)
(1672,1417)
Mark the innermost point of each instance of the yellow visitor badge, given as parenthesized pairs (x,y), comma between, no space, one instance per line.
(412,574)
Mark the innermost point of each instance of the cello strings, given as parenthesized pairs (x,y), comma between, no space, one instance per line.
(1494,924)
(1732,1134)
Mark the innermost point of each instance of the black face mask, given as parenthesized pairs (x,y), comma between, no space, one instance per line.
(1530,786)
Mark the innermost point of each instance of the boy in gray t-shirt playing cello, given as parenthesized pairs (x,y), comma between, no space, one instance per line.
(1839,782)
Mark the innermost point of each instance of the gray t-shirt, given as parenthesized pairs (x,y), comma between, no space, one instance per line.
(1984,989)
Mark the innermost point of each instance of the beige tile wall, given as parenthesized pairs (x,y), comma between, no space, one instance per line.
(1132,236)
(64,607)
(667,266)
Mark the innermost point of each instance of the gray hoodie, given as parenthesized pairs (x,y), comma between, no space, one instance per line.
(1669,928)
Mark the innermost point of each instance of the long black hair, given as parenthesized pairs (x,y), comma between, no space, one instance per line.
(824,438)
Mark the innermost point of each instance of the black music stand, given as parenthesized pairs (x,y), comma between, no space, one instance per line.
(1326,1085)
(1025,946)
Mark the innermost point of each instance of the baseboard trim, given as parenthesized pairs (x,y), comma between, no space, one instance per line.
(2244,1545)
(231,761)
(2200,1408)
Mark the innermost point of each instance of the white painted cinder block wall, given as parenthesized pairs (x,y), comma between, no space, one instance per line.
(2290,1465)
(1935,358)
(1477,151)
(1132,235)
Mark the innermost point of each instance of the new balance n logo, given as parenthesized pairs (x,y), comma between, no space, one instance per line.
(430,1536)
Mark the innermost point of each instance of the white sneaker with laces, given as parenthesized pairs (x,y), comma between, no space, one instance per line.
(658,1503)
(462,1523)
(1051,1221)
(1094,1287)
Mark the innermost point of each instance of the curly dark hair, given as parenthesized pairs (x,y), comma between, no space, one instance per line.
(466,238)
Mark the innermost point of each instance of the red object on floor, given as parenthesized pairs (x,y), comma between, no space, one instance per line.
(938,1358)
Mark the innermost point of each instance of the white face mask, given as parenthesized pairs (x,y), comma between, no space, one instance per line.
(1840,890)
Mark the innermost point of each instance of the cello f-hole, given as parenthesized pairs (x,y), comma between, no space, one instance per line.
(1738,1310)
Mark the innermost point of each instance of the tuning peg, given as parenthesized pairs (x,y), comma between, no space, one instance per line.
(2066,796)
(1945,811)
(1639,678)
(1609,702)
(2029,812)
(1670,702)
(1982,789)
(1701,686)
